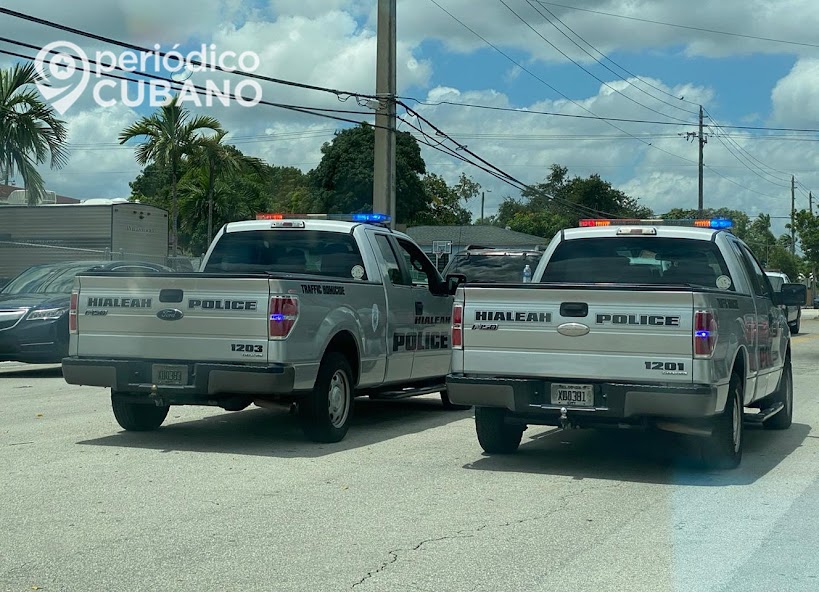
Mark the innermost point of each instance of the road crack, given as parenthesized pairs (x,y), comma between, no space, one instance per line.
(394,555)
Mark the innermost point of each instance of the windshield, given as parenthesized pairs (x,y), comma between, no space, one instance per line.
(44,280)
(496,267)
(638,260)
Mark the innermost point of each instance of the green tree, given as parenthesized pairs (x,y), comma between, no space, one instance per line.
(222,162)
(170,135)
(291,192)
(344,178)
(740,219)
(543,224)
(444,202)
(806,225)
(30,131)
(560,201)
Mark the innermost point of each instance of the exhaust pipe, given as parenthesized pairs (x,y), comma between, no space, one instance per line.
(291,407)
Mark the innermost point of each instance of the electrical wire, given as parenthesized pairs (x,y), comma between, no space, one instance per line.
(606,84)
(595,116)
(608,59)
(678,26)
(316,111)
(586,70)
(147,51)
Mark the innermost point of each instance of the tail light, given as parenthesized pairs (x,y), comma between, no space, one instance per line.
(457,326)
(705,333)
(283,312)
(72,313)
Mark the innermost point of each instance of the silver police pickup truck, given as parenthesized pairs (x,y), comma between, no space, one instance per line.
(628,323)
(306,313)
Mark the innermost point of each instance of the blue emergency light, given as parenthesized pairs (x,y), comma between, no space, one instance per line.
(715,223)
(364,218)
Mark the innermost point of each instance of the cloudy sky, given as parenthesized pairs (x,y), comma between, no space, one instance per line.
(599,86)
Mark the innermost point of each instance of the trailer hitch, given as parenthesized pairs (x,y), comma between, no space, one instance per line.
(565,422)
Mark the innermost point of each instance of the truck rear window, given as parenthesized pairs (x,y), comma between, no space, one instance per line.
(311,252)
(495,267)
(638,260)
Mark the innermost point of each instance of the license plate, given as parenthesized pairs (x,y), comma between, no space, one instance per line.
(170,375)
(576,395)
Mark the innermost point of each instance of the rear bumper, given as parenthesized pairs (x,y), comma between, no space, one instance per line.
(205,379)
(614,402)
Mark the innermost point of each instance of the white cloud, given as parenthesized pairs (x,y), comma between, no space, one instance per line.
(332,43)
(795,97)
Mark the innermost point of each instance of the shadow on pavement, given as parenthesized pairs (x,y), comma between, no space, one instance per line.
(263,432)
(31,371)
(653,457)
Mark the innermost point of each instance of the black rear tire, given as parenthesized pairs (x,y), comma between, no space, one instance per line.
(326,412)
(449,405)
(723,448)
(138,417)
(784,395)
(494,434)
(794,327)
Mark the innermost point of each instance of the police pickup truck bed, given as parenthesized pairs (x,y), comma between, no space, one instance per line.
(284,311)
(637,324)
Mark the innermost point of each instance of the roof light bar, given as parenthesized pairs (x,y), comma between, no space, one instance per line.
(715,223)
(360,217)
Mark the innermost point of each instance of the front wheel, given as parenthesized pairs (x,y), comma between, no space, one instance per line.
(494,434)
(723,448)
(138,417)
(795,326)
(325,413)
(784,394)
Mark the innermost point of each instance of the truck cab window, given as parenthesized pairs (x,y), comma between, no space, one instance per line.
(423,272)
(390,262)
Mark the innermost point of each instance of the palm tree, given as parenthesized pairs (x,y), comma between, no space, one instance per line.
(170,135)
(220,161)
(30,132)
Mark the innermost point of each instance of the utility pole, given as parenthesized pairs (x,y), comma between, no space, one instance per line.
(810,201)
(793,213)
(385,85)
(483,198)
(702,144)
(702,140)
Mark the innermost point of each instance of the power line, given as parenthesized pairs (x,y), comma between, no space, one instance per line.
(716,124)
(586,70)
(678,26)
(509,178)
(619,76)
(519,65)
(524,111)
(147,51)
(309,110)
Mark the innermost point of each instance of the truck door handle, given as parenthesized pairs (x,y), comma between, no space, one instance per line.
(419,309)
(574,309)
(170,295)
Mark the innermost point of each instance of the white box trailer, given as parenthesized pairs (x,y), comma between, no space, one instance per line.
(53,233)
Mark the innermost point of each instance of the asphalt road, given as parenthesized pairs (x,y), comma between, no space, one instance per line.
(239,501)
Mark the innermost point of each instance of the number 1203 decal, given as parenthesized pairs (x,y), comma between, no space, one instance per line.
(669,366)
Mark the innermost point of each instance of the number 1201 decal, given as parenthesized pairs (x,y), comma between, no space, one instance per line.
(669,366)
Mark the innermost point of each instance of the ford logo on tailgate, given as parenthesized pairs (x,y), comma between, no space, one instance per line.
(170,314)
(573,329)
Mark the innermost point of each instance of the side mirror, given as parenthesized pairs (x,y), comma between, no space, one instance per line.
(453,280)
(793,294)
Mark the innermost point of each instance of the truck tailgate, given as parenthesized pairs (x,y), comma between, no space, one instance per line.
(587,332)
(172,317)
